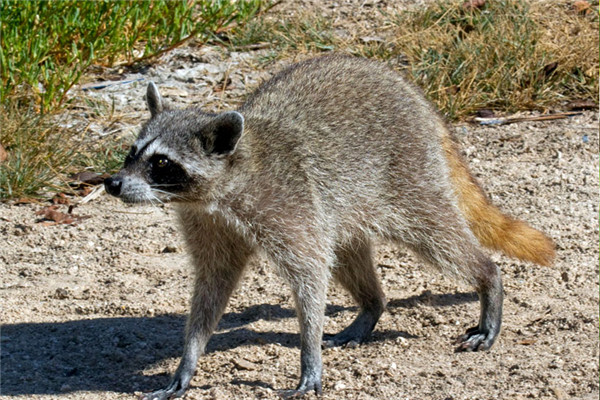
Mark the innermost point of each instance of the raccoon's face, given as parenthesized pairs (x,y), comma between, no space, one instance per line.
(179,155)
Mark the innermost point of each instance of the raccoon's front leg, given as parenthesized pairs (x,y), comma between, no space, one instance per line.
(308,280)
(219,257)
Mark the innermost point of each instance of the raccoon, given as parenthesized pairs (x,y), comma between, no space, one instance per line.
(323,159)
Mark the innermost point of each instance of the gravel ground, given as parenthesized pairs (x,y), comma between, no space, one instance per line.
(96,309)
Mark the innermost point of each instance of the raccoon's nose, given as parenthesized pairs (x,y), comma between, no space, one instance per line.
(113,185)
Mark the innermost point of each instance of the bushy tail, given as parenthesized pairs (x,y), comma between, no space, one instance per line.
(493,229)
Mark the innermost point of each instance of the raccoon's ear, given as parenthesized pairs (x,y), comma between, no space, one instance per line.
(154,100)
(224,132)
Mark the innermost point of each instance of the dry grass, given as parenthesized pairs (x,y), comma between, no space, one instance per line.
(508,56)
(40,150)
(44,149)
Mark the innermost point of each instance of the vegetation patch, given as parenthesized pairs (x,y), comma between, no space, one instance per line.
(505,55)
(45,49)
(501,55)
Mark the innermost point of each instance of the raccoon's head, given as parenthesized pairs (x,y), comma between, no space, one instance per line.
(179,155)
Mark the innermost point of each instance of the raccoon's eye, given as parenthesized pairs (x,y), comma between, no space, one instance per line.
(162,162)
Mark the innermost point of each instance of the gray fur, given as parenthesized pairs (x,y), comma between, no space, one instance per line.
(323,158)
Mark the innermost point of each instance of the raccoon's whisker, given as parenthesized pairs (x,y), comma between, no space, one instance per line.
(155,199)
(153,189)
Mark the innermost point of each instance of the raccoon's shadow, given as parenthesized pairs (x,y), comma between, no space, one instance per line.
(108,354)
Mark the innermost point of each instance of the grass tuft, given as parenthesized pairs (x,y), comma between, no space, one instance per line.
(509,55)
(39,151)
(305,33)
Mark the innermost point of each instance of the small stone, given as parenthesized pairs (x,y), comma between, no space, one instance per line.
(62,293)
(242,364)
(559,393)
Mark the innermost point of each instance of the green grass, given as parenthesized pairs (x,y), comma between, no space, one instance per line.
(47,46)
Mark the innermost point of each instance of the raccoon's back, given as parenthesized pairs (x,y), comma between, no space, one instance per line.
(349,130)
(336,97)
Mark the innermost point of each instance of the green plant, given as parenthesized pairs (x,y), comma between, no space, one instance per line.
(45,47)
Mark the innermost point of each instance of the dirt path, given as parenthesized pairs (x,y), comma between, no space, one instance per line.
(96,310)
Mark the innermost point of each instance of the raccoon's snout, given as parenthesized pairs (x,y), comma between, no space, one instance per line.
(113,185)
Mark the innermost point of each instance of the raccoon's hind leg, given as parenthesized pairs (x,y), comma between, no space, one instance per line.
(355,272)
(442,238)
(489,289)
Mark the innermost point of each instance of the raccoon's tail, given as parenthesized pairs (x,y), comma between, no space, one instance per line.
(493,229)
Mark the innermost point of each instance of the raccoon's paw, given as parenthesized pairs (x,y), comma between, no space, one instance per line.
(175,389)
(356,333)
(350,340)
(475,339)
(159,395)
(306,385)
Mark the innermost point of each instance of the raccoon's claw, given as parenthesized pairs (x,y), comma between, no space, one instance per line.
(297,393)
(475,339)
(351,336)
(301,390)
(337,342)
(356,333)
(175,389)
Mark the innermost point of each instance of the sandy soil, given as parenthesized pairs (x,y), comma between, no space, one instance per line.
(96,309)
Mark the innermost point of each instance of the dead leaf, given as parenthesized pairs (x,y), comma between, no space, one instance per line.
(84,191)
(473,4)
(3,154)
(51,216)
(26,200)
(582,7)
(51,213)
(61,198)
